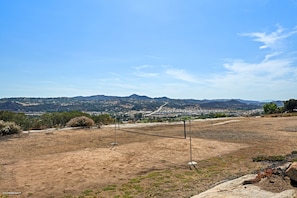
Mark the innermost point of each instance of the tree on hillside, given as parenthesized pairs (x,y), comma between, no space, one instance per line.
(270,108)
(290,105)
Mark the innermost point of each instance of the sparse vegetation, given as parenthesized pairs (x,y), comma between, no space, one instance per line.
(8,128)
(109,187)
(213,115)
(275,158)
(87,192)
(50,120)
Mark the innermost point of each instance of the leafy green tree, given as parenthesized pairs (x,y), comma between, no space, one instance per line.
(270,108)
(59,119)
(290,105)
(19,119)
(102,119)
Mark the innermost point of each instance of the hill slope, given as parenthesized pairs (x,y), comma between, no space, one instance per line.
(102,103)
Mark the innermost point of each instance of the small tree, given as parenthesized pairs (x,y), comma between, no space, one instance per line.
(102,119)
(81,121)
(270,108)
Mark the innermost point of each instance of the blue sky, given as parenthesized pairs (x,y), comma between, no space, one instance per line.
(199,49)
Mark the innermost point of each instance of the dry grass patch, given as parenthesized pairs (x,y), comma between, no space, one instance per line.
(148,161)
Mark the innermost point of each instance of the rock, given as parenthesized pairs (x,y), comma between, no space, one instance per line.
(292,171)
(235,189)
(282,168)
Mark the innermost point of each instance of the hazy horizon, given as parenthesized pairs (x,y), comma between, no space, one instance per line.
(267,100)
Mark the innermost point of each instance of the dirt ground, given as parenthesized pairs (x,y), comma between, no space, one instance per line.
(148,160)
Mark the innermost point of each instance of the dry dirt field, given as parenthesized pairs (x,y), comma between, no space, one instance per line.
(148,161)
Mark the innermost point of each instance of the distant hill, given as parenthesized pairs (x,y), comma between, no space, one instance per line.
(102,103)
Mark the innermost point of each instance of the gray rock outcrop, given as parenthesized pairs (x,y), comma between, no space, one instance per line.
(235,189)
(292,171)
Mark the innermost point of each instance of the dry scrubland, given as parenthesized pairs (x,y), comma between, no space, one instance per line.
(149,161)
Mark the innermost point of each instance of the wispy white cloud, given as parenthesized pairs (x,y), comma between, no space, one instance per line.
(274,64)
(278,67)
(272,77)
(269,56)
(181,75)
(142,71)
(142,67)
(271,40)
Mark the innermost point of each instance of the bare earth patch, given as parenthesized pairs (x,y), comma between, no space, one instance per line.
(82,162)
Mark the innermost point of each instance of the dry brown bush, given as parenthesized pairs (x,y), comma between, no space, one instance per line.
(8,128)
(81,121)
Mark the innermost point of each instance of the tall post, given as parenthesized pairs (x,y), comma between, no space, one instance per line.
(185,132)
(190,131)
(115,133)
(191,163)
(190,148)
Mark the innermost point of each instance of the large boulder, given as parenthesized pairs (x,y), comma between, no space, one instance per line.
(236,189)
(292,171)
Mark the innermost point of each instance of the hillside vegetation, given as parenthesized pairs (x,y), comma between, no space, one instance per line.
(101,103)
(51,120)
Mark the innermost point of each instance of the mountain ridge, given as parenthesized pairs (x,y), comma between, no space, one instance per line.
(134,102)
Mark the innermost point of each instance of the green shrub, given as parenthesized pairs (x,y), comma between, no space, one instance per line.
(20,119)
(8,128)
(81,121)
(102,119)
(59,119)
(275,158)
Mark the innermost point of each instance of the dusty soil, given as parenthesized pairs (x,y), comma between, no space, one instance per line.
(148,160)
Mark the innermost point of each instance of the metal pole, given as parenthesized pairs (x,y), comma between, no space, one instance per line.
(190,148)
(185,132)
(191,162)
(115,132)
(190,140)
